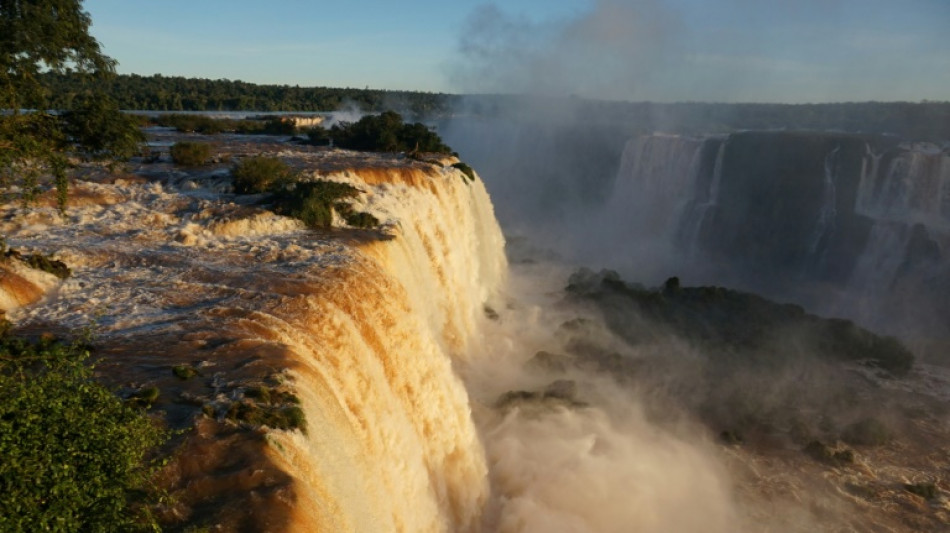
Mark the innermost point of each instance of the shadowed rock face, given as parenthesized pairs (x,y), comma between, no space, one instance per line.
(845,224)
(734,327)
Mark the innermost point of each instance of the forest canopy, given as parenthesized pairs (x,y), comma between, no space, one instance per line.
(915,120)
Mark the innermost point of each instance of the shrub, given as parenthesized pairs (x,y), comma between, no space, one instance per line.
(467,170)
(75,457)
(287,417)
(184,372)
(144,398)
(190,154)
(40,262)
(278,126)
(260,174)
(313,202)
(187,123)
(361,220)
(103,131)
(387,133)
(318,136)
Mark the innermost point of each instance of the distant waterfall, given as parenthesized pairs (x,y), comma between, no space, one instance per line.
(772,210)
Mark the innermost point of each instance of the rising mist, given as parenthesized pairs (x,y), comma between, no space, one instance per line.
(589,430)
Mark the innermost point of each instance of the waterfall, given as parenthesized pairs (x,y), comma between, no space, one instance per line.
(365,327)
(407,457)
(793,214)
(828,213)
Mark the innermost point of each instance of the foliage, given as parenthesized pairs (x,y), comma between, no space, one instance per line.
(175,93)
(266,406)
(386,132)
(728,322)
(260,174)
(261,414)
(190,154)
(44,35)
(144,397)
(923,120)
(313,202)
(361,220)
(184,372)
(32,145)
(318,136)
(75,457)
(103,131)
(41,262)
(822,452)
(467,170)
(50,37)
(203,124)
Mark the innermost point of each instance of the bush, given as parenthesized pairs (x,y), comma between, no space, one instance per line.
(260,174)
(265,406)
(467,170)
(386,133)
(361,220)
(102,130)
(192,123)
(40,262)
(75,457)
(313,202)
(190,154)
(318,136)
(205,125)
(184,372)
(278,126)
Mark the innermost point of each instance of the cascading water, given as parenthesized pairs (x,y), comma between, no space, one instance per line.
(364,326)
(776,212)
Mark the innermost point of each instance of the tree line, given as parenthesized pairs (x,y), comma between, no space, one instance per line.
(176,93)
(914,120)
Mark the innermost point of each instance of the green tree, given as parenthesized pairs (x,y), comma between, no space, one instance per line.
(74,456)
(386,132)
(51,36)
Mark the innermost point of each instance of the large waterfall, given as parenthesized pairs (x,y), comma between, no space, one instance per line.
(393,447)
(363,326)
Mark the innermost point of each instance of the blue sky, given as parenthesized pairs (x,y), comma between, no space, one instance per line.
(659,50)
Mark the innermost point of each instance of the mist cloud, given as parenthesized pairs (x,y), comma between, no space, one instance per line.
(732,51)
(614,50)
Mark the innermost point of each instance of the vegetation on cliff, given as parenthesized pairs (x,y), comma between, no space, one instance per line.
(206,125)
(385,132)
(190,154)
(46,263)
(727,322)
(312,202)
(75,456)
(33,142)
(753,371)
